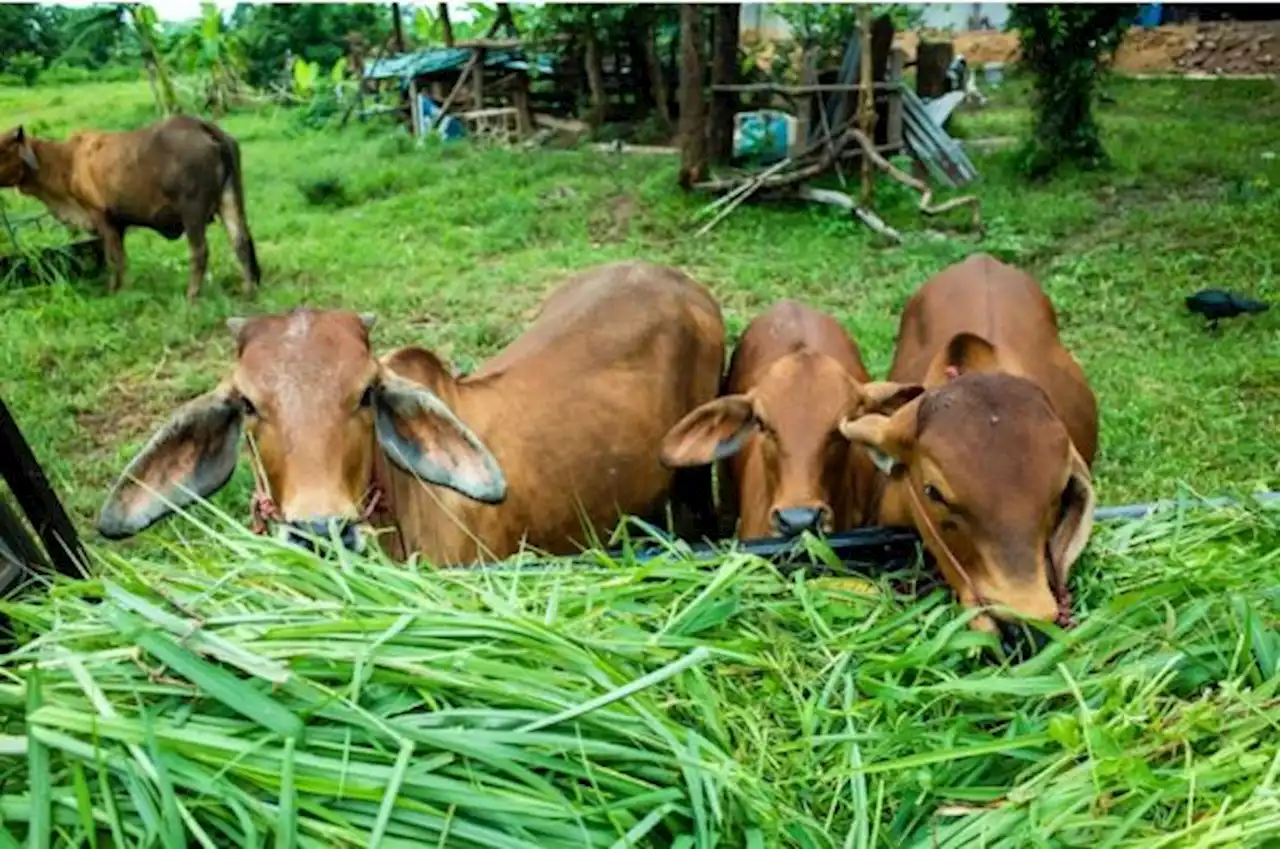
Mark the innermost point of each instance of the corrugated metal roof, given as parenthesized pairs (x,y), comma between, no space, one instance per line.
(434,60)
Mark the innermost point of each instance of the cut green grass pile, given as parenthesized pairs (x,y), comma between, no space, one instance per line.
(238,692)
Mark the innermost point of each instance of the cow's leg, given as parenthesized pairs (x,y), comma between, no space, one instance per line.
(113,248)
(199,258)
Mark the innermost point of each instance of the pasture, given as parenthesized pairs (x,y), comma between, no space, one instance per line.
(827,716)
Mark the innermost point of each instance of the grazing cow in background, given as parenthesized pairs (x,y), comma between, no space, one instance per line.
(561,429)
(794,377)
(992,463)
(172,177)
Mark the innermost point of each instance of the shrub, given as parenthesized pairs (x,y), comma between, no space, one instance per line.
(1064,48)
(26,66)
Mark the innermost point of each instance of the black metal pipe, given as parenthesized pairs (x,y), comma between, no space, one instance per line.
(865,551)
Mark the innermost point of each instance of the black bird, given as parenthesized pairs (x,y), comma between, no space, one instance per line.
(1217,304)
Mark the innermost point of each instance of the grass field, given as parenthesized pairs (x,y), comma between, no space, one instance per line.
(821,716)
(454,247)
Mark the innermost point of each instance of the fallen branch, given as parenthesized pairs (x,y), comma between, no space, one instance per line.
(926,206)
(740,186)
(831,197)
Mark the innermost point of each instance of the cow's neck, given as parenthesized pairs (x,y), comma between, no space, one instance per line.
(53,178)
(51,184)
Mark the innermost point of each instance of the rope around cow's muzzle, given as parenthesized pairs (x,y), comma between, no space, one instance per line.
(1062,595)
(263,510)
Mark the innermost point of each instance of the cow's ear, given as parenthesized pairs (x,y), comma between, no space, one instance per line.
(714,431)
(191,457)
(885,397)
(422,436)
(1075,519)
(964,353)
(890,440)
(25,151)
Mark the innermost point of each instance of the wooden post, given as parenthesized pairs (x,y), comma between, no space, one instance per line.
(932,60)
(520,99)
(445,23)
(397,27)
(724,71)
(656,77)
(693,135)
(477,80)
(415,117)
(866,101)
(897,60)
(595,74)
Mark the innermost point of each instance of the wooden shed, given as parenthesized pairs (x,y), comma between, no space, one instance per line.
(483,83)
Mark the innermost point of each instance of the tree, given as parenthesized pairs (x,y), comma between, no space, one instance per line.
(209,50)
(1065,47)
(273,33)
(693,130)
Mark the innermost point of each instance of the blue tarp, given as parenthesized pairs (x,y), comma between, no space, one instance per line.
(434,60)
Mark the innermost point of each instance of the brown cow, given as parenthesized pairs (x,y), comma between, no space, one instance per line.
(561,426)
(172,177)
(794,377)
(992,463)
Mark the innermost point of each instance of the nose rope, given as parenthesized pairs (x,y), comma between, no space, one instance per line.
(1064,619)
(263,510)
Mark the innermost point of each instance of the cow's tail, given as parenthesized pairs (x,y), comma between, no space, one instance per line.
(231,204)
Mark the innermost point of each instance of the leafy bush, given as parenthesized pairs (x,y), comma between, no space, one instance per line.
(61,74)
(27,67)
(324,191)
(1064,48)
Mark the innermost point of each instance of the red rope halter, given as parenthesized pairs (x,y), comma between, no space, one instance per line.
(263,510)
(1062,595)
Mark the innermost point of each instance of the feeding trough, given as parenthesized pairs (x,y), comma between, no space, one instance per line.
(35,250)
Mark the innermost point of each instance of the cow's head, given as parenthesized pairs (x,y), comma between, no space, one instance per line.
(794,409)
(317,405)
(992,469)
(16,157)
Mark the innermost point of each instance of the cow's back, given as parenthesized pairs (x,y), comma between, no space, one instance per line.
(1008,308)
(144,175)
(788,327)
(578,404)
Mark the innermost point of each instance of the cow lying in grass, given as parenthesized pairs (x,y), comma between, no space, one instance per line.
(172,177)
(546,444)
(992,463)
(796,374)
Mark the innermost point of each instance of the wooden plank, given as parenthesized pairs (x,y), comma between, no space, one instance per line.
(897,59)
(774,88)
(35,496)
(477,81)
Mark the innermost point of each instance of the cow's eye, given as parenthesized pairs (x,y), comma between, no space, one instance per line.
(931,492)
(248,407)
(366,400)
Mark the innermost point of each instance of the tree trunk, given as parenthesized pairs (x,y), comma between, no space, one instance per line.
(932,59)
(595,76)
(446,24)
(637,54)
(397,27)
(657,78)
(724,71)
(693,135)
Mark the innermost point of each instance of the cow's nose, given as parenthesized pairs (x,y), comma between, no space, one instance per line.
(793,521)
(305,534)
(1020,641)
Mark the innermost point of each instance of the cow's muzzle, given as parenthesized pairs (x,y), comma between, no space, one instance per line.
(793,521)
(309,534)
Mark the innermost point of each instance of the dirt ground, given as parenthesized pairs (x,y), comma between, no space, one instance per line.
(1231,47)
